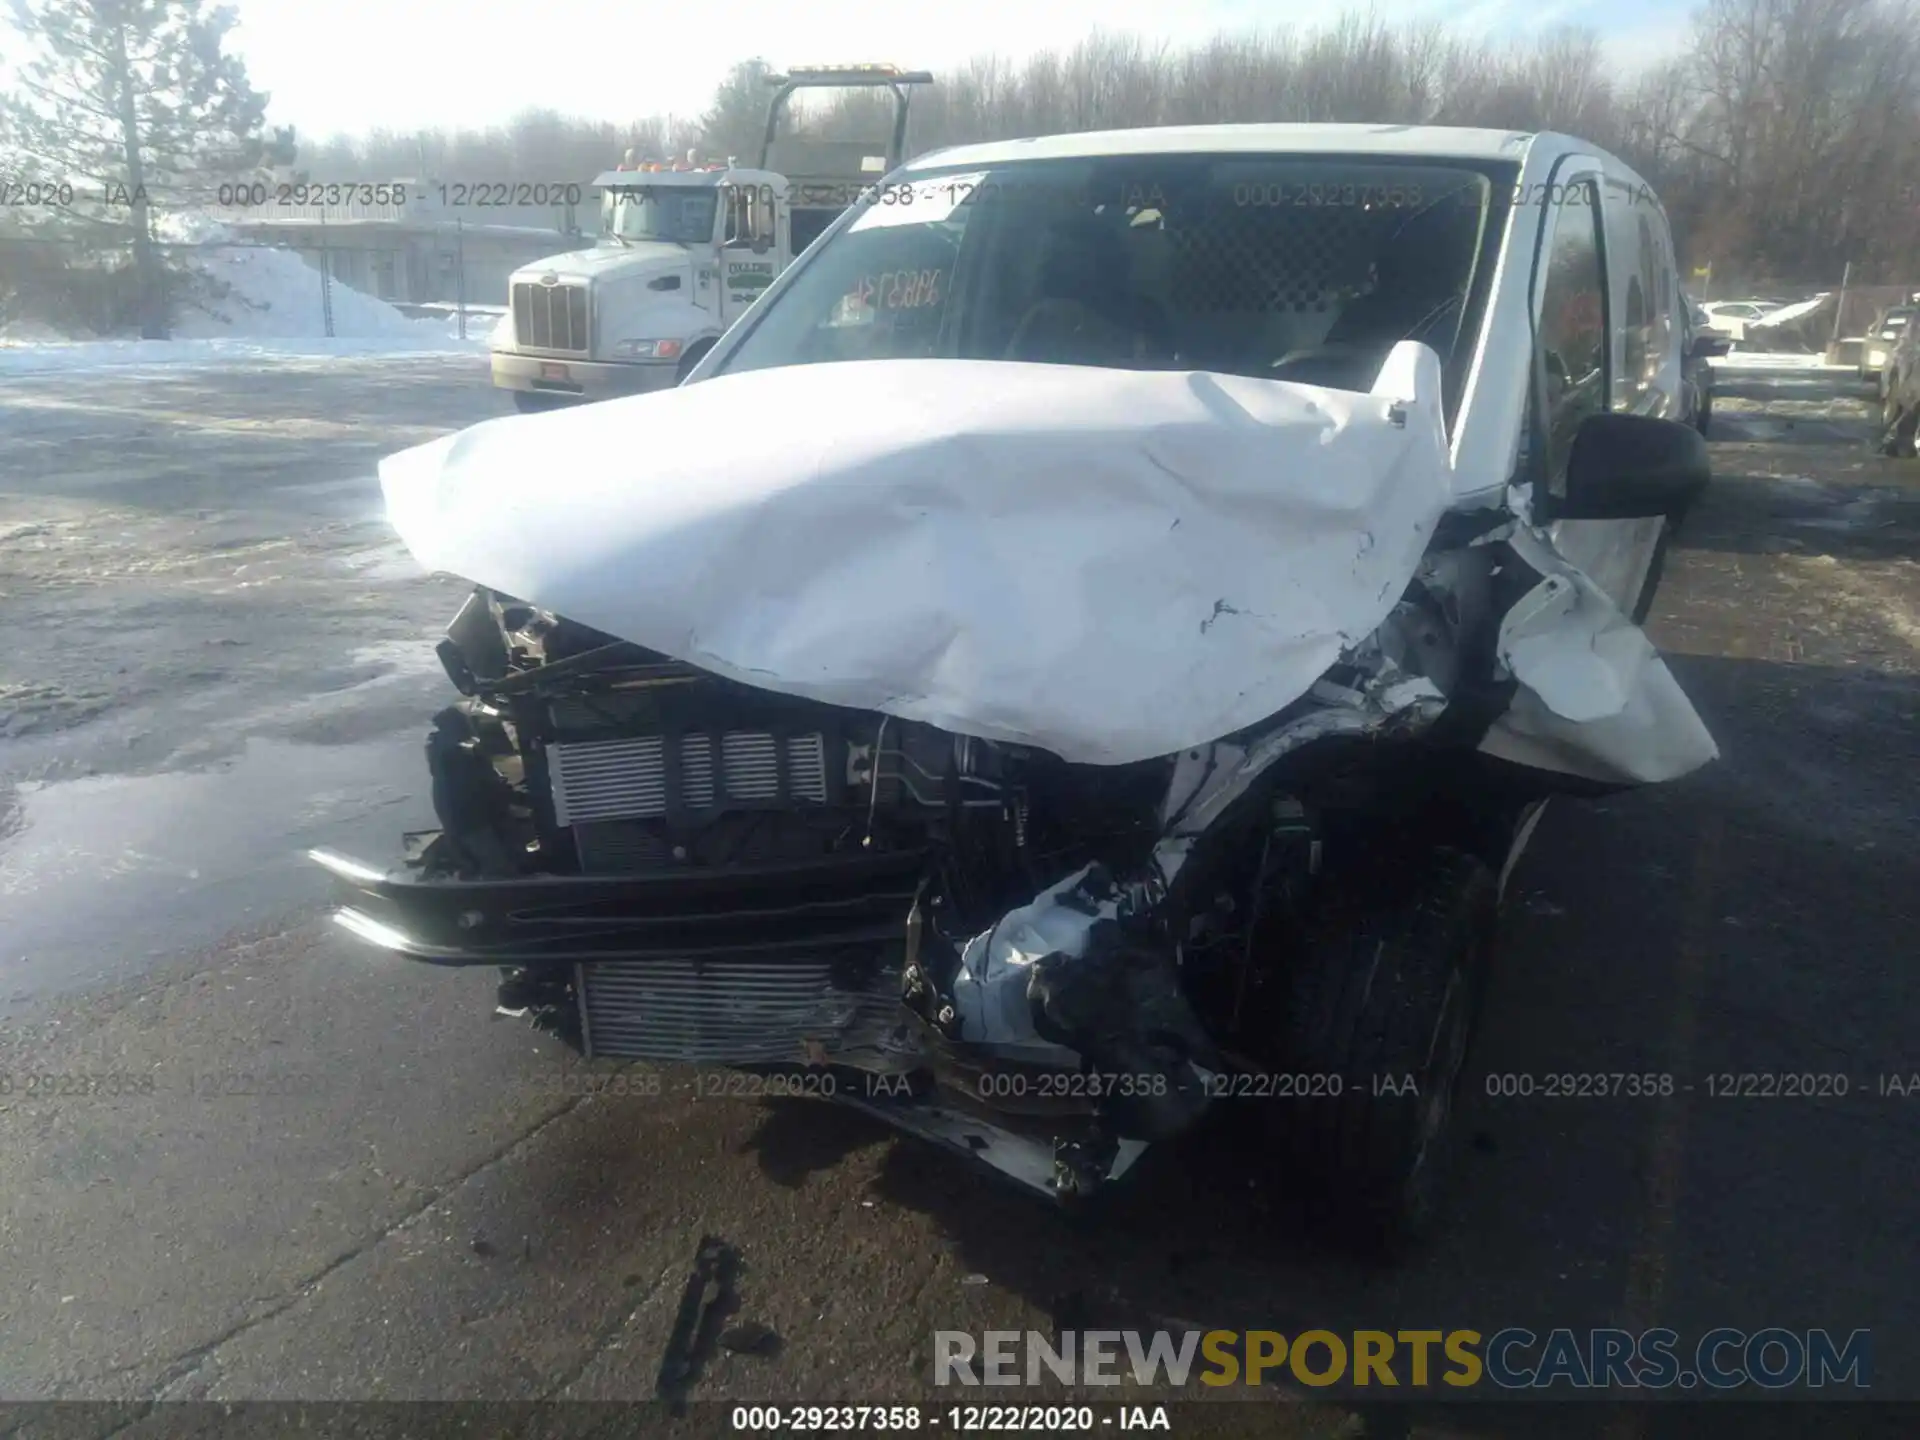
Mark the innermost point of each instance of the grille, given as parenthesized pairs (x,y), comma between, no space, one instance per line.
(609,847)
(551,317)
(737,1011)
(627,779)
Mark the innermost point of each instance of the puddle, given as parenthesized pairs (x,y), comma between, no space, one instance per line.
(102,876)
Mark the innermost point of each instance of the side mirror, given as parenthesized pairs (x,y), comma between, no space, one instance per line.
(1631,467)
(1705,345)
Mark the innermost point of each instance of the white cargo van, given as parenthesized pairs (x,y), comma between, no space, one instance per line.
(1115,670)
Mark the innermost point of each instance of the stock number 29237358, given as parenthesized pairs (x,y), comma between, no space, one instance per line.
(1068,1085)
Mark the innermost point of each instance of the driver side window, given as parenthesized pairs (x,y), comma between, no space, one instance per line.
(1573,323)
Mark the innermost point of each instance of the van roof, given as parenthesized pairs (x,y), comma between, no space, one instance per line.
(1440,142)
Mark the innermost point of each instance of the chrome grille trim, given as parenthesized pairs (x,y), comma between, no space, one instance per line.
(738,1011)
(551,317)
(627,779)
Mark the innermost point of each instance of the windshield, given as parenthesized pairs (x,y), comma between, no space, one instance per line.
(1277,267)
(680,214)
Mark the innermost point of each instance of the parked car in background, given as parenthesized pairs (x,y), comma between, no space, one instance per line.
(1699,345)
(1876,355)
(1731,317)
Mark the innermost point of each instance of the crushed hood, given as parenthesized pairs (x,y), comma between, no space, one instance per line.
(1111,565)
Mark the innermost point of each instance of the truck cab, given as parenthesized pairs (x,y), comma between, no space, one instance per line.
(684,250)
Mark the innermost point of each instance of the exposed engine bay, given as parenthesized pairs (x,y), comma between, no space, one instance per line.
(1048,964)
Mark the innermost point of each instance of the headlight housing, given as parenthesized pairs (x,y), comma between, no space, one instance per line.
(649,349)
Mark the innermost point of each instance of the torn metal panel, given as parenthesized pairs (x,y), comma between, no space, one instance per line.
(996,967)
(1594,699)
(1210,778)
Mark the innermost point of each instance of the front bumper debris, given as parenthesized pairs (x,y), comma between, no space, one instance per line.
(662,969)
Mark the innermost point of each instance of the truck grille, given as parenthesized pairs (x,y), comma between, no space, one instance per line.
(739,1011)
(551,317)
(628,779)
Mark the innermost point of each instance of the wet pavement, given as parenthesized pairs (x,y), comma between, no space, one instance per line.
(307,1171)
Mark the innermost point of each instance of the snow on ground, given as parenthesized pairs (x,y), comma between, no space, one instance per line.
(257,303)
(28,359)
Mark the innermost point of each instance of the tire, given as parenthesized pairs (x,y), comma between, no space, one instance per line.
(692,358)
(1388,984)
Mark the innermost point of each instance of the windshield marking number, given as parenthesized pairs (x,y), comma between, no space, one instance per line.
(898,290)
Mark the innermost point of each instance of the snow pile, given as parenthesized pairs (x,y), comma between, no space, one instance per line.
(245,301)
(188,227)
(257,293)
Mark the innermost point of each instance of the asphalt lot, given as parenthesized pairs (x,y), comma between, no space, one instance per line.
(217,657)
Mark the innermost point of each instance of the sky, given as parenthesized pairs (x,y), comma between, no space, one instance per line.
(354,65)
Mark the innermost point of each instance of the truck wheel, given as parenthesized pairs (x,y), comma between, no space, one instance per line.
(692,358)
(1385,995)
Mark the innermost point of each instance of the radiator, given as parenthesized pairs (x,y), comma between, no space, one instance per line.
(737,1010)
(627,779)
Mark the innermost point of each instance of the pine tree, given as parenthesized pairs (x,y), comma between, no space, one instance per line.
(139,106)
(737,122)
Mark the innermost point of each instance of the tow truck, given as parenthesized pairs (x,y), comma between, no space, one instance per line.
(684,250)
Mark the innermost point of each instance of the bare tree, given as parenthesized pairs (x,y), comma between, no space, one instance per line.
(1783,140)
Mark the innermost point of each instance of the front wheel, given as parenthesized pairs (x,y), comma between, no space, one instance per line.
(692,358)
(1385,994)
